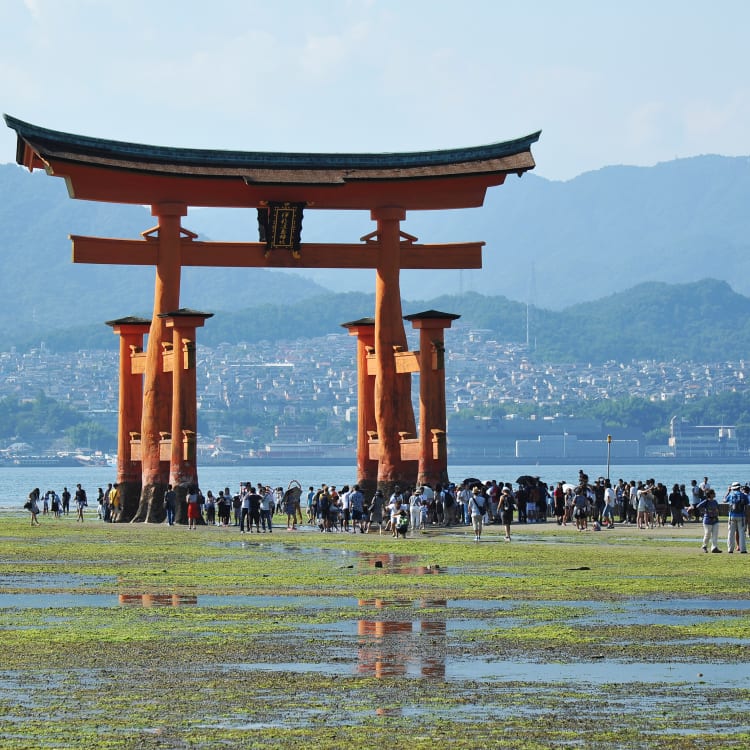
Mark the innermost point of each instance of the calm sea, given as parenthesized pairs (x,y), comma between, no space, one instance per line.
(17,482)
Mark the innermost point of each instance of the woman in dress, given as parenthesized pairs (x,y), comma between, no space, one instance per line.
(211,507)
(32,505)
(193,508)
(376,509)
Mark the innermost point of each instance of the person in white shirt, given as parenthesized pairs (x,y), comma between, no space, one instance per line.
(608,514)
(415,510)
(477,507)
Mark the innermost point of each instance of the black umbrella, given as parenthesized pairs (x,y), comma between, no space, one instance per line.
(526,479)
(471,481)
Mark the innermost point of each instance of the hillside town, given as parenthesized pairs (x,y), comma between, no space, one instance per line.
(298,399)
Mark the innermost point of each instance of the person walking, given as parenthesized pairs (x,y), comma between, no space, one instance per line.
(710,509)
(55,504)
(32,505)
(100,504)
(170,502)
(676,505)
(505,507)
(267,505)
(737,520)
(357,504)
(81,502)
(477,508)
(193,507)
(608,511)
(115,503)
(415,509)
(376,510)
(210,506)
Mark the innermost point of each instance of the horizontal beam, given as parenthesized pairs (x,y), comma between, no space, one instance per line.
(253,254)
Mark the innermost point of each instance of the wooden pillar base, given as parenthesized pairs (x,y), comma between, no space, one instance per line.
(180,503)
(130,498)
(151,508)
(367,487)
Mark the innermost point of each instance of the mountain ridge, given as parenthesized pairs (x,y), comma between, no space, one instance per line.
(550,244)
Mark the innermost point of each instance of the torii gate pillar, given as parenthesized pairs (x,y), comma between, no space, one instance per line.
(394,413)
(433,449)
(367,467)
(181,442)
(157,385)
(131,331)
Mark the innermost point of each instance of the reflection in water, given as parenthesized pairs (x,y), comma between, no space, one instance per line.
(158,600)
(407,565)
(393,649)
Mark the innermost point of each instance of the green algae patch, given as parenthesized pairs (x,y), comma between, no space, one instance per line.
(363,641)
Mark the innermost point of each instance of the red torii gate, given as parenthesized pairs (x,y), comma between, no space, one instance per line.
(171,180)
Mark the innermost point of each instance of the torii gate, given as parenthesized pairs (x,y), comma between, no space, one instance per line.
(280,186)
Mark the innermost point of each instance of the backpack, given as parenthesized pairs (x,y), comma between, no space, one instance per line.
(447,499)
(737,503)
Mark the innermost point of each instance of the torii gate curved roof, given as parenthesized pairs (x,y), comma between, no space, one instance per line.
(120,172)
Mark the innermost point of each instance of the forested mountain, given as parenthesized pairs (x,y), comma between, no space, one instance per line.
(704,321)
(586,247)
(555,244)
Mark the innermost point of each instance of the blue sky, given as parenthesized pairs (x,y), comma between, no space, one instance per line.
(607,82)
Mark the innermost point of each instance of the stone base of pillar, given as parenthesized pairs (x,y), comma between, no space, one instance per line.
(130,498)
(151,508)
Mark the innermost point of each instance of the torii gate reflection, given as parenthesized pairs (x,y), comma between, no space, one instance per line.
(278,186)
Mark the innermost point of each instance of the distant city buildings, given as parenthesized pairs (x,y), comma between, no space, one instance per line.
(300,397)
(701,441)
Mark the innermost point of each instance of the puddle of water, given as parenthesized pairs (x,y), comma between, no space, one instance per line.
(599,673)
(698,612)
(64,600)
(44,581)
(57,600)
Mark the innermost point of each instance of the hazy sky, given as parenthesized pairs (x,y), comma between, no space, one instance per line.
(607,81)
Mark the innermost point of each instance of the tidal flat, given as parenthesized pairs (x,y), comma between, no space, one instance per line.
(141,636)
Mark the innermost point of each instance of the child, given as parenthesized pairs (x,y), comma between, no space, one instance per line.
(402,524)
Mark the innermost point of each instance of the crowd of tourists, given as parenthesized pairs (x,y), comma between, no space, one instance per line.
(596,505)
(59,505)
(588,504)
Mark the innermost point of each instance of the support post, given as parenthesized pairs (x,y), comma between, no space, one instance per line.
(157,387)
(433,449)
(367,468)
(131,331)
(393,408)
(183,470)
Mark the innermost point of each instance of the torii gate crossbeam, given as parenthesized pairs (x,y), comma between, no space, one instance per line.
(254,254)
